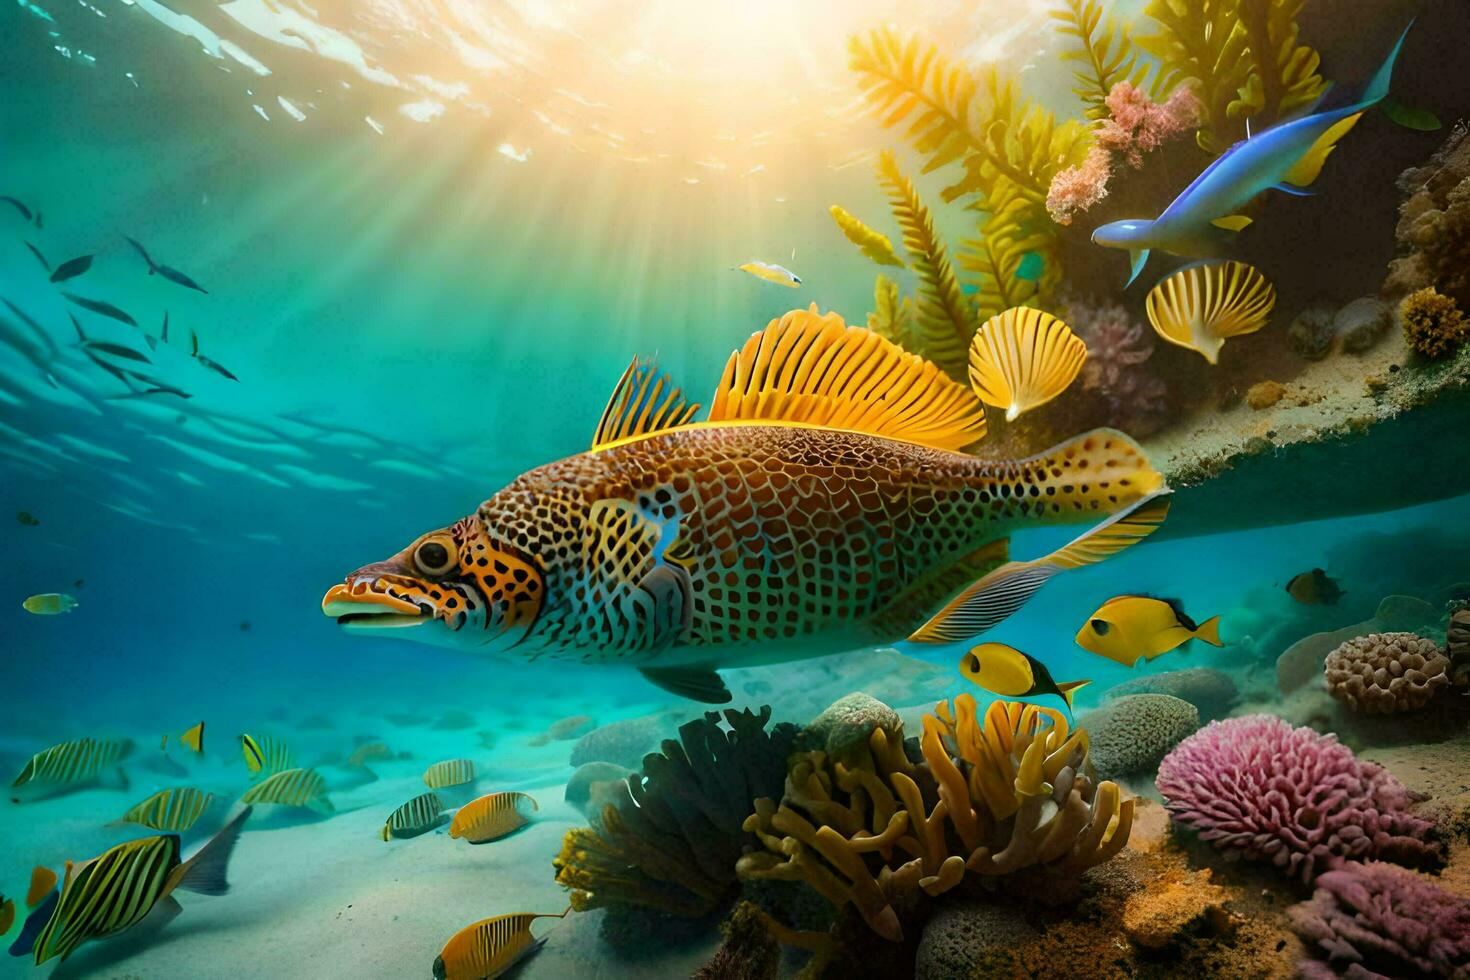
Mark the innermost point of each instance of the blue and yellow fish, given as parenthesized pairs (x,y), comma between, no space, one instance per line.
(1288,157)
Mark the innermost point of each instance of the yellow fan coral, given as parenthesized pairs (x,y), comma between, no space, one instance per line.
(988,799)
(874,244)
(1024,358)
(1202,306)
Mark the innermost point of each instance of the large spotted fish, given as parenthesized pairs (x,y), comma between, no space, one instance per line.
(824,505)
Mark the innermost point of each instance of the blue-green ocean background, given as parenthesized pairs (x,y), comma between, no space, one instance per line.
(468,312)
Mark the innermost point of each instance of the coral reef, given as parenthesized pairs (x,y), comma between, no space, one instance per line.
(1457,645)
(670,837)
(749,951)
(1312,331)
(1255,786)
(1377,920)
(843,731)
(1362,323)
(1434,225)
(1302,661)
(1383,673)
(991,798)
(624,742)
(1211,691)
(1118,348)
(959,935)
(1132,733)
(1433,323)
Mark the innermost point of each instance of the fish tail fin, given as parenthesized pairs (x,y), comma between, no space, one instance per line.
(205,871)
(1099,472)
(1209,631)
(1137,259)
(1377,89)
(1070,688)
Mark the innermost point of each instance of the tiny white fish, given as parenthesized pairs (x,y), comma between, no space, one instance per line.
(770,272)
(511,153)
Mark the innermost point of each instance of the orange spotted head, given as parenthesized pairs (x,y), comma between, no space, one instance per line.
(452,587)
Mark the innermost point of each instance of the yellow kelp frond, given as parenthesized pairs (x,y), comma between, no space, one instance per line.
(1024,358)
(1284,73)
(643,401)
(1203,44)
(816,370)
(945,323)
(893,315)
(996,258)
(1202,306)
(874,244)
(903,79)
(1103,48)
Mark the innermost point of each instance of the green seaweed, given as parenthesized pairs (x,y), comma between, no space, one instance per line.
(1104,49)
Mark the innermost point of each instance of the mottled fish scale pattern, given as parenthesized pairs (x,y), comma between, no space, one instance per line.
(108,894)
(783,530)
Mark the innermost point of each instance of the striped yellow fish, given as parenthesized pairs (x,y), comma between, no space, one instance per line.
(488,948)
(370,750)
(120,887)
(491,817)
(825,504)
(176,809)
(71,764)
(292,787)
(418,816)
(265,755)
(451,772)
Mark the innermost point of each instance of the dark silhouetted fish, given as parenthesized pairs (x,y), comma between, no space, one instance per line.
(157,389)
(215,366)
(1315,588)
(153,341)
(101,308)
(167,272)
(117,350)
(34,217)
(72,268)
(39,257)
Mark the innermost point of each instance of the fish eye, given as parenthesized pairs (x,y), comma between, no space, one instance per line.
(1101,627)
(972,663)
(435,556)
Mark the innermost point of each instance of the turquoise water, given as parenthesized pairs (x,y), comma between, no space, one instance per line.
(426,285)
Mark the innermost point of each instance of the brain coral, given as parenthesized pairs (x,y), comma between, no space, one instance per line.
(1209,690)
(1382,673)
(1257,787)
(1132,733)
(1376,920)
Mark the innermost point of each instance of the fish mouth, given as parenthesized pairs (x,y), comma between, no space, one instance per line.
(359,607)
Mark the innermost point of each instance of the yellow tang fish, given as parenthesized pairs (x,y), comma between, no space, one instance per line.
(193,739)
(49,604)
(825,504)
(491,817)
(1006,671)
(490,947)
(1128,627)
(120,887)
(770,272)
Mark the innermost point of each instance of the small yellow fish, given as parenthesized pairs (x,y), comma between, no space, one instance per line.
(43,879)
(1128,627)
(1314,588)
(491,817)
(451,772)
(49,604)
(193,739)
(770,272)
(490,947)
(1006,671)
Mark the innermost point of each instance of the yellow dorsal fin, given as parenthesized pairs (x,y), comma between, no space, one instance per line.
(816,370)
(1232,222)
(643,402)
(1305,170)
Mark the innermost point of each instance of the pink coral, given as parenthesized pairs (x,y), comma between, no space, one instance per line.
(1078,188)
(1117,349)
(1138,125)
(1257,787)
(1376,920)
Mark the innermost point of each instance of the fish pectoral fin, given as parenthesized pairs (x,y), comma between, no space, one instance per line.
(1232,222)
(1137,259)
(695,683)
(672,593)
(644,401)
(1306,169)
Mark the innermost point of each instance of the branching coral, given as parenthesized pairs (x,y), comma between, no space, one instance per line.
(1259,787)
(1433,323)
(989,799)
(1118,350)
(670,838)
(1375,920)
(1434,224)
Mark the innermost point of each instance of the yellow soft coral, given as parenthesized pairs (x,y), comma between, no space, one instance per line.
(988,798)
(1433,325)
